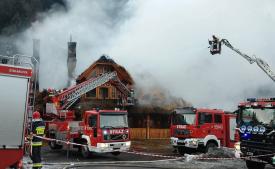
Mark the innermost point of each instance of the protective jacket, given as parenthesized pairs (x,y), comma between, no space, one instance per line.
(38,128)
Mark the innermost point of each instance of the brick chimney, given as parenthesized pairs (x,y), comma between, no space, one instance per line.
(71,62)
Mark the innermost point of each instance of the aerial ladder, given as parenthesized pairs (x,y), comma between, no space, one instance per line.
(63,100)
(215,48)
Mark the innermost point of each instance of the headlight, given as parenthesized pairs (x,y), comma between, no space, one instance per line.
(193,141)
(102,145)
(128,143)
(255,129)
(104,132)
(262,129)
(242,128)
(249,128)
(237,146)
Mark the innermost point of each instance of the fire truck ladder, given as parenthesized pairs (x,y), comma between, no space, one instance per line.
(261,63)
(120,86)
(71,95)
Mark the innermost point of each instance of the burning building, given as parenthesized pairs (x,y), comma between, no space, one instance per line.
(105,96)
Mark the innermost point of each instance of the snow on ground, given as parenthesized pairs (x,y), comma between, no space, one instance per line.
(188,161)
(27,162)
(58,160)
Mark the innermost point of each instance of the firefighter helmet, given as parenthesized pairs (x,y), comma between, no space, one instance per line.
(36,115)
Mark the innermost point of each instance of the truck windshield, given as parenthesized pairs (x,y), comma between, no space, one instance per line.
(252,116)
(183,119)
(114,120)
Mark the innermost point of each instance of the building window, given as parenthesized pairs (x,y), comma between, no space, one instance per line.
(100,70)
(103,92)
(91,93)
(93,73)
(113,92)
(106,69)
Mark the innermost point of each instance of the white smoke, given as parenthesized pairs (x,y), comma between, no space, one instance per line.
(92,24)
(169,40)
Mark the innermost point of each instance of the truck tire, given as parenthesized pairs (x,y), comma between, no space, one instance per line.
(210,146)
(54,146)
(85,152)
(116,153)
(254,165)
(182,150)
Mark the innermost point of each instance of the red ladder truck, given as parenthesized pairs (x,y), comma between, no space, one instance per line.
(197,129)
(102,131)
(14,88)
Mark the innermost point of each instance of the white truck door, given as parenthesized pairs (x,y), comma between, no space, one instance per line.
(13,102)
(232,128)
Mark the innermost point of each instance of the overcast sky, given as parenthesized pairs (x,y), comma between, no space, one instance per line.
(168,40)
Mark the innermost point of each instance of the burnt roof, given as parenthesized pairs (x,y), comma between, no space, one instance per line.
(105,59)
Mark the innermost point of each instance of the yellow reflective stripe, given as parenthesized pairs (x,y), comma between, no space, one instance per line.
(40,130)
(37,143)
(37,165)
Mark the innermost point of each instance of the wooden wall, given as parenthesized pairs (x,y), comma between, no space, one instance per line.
(152,133)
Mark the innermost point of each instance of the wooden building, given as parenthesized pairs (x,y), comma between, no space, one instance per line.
(105,96)
(145,123)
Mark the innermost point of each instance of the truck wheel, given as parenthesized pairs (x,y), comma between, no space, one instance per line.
(116,153)
(181,150)
(85,152)
(254,165)
(54,146)
(210,146)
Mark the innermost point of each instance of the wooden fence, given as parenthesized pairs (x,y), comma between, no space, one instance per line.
(151,133)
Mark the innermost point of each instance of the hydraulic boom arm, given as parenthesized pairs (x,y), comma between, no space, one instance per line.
(215,48)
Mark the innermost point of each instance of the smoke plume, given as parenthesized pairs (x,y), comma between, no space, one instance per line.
(150,93)
(170,40)
(167,39)
(92,24)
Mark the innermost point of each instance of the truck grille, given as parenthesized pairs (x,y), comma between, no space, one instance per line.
(182,132)
(116,137)
(257,146)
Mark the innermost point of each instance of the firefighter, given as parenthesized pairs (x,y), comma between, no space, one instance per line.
(215,45)
(38,128)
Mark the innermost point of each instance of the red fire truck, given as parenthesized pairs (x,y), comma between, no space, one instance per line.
(101,130)
(14,89)
(195,129)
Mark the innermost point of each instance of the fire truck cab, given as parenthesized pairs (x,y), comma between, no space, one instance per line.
(194,129)
(256,124)
(103,131)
